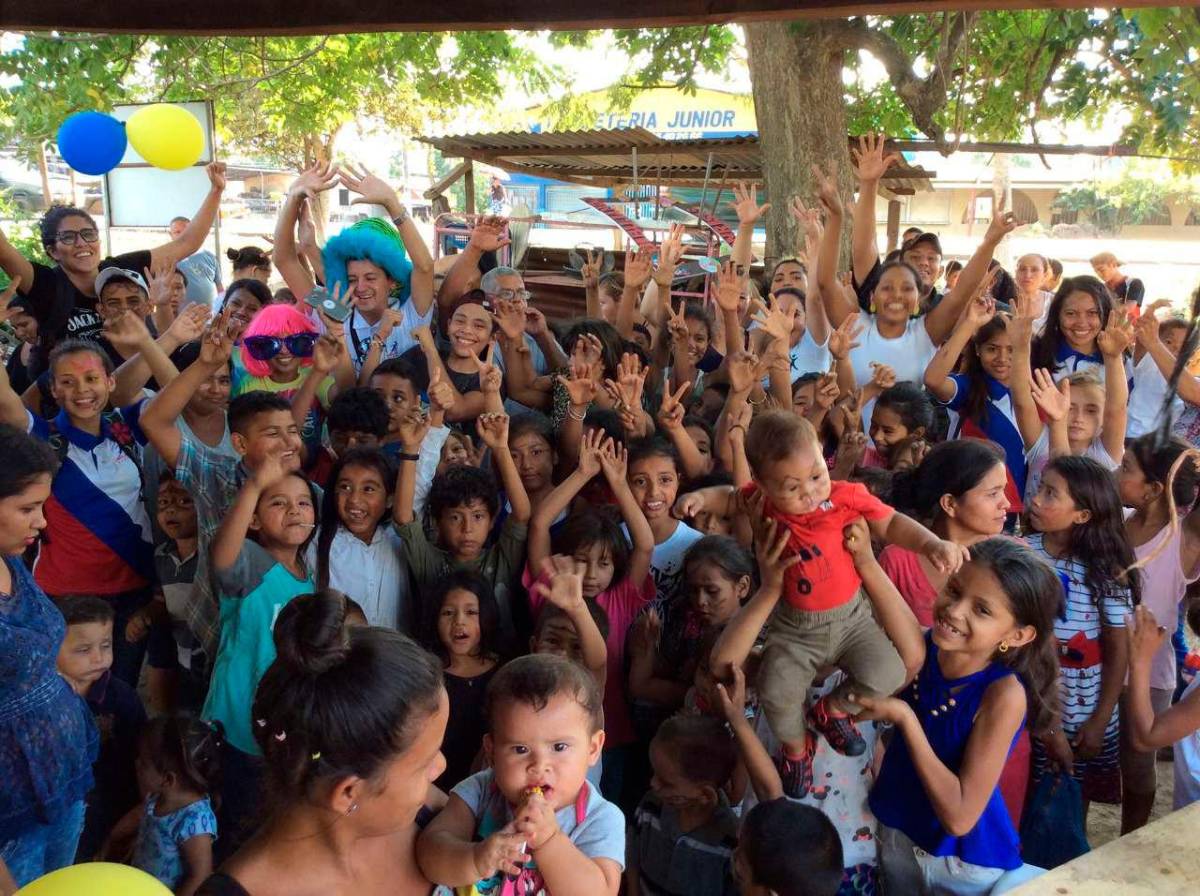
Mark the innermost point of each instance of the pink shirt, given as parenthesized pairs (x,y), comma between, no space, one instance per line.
(1164,583)
(621,602)
(903,567)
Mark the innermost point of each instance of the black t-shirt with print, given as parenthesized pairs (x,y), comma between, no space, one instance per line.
(62,311)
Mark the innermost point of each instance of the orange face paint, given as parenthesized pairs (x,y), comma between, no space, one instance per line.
(79,364)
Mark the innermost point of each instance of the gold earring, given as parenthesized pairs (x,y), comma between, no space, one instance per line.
(1004,647)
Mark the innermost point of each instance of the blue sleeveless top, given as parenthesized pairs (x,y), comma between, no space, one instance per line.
(946,709)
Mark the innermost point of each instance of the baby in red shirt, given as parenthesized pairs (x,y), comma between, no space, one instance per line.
(825,618)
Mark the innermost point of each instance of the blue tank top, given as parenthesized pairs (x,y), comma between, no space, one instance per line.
(946,709)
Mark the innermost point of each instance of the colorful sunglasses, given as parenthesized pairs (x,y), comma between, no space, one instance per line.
(264,348)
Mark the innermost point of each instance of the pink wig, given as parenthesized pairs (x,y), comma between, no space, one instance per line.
(274,320)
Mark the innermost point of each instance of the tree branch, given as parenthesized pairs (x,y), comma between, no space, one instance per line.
(924,97)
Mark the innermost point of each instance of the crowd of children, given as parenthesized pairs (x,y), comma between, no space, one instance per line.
(394,587)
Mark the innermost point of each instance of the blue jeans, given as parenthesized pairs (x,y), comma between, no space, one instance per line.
(44,847)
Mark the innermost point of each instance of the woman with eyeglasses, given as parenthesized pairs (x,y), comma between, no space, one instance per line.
(282,351)
(63,297)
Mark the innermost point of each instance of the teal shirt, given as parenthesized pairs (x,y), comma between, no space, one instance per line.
(252,592)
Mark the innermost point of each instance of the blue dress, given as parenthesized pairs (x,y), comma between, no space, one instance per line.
(48,740)
(899,799)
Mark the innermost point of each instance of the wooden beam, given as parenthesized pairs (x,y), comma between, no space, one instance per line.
(893,224)
(469,187)
(441,186)
(225,17)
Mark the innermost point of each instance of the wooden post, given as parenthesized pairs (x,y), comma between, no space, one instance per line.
(893,224)
(469,188)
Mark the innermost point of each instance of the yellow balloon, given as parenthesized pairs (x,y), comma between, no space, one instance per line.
(166,136)
(95,879)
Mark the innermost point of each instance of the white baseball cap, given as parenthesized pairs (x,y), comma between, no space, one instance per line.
(112,273)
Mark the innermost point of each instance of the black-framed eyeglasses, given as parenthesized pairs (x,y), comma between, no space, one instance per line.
(71,237)
(264,348)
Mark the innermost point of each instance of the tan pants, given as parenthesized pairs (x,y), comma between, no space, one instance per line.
(799,642)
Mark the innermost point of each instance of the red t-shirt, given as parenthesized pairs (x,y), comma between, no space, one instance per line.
(825,577)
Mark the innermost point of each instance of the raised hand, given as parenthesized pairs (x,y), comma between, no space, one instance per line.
(590,447)
(979,311)
(510,319)
(852,405)
(851,448)
(493,430)
(270,470)
(744,369)
(488,234)
(882,375)
(827,191)
(671,411)
(669,253)
(581,388)
(564,587)
(315,179)
(535,322)
(843,339)
(1003,223)
(327,354)
(677,326)
(774,321)
(1117,334)
(490,377)
(727,287)
(441,393)
(1146,329)
(414,426)
(745,204)
(371,190)
(589,351)
(158,283)
(190,324)
(809,219)
(1055,401)
(216,346)
(1021,320)
(733,696)
(614,461)
(638,267)
(826,394)
(216,175)
(592,265)
(391,319)
(870,161)
(631,380)
(126,331)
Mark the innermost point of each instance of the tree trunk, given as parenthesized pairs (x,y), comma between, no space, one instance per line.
(799,101)
(320,149)
(44,171)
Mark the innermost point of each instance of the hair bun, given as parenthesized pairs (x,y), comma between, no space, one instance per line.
(232,254)
(310,635)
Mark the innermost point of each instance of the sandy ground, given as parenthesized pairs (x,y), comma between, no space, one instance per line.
(1104,822)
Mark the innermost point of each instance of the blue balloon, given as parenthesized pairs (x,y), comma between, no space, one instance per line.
(92,142)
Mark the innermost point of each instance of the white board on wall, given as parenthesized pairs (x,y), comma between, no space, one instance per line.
(143,196)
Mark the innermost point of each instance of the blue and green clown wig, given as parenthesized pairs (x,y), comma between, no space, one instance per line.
(374,240)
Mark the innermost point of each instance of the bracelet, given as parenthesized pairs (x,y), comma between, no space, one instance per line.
(750,401)
(571,414)
(404,455)
(401,218)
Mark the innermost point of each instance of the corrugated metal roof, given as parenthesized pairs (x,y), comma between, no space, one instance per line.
(605,157)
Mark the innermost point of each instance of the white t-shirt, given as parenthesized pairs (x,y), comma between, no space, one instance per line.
(908,354)
(1038,456)
(1187,761)
(375,574)
(359,332)
(666,561)
(1146,398)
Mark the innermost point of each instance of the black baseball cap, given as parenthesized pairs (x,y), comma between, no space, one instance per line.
(925,237)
